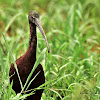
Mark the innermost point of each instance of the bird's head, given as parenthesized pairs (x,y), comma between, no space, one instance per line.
(34,18)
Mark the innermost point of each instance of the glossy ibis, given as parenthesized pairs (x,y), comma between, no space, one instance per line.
(26,62)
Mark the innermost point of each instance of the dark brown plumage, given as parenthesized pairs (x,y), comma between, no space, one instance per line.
(26,62)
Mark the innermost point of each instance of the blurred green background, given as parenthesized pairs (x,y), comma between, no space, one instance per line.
(72,28)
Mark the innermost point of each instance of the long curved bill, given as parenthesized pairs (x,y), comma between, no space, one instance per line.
(37,22)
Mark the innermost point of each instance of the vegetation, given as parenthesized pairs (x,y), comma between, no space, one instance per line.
(72,69)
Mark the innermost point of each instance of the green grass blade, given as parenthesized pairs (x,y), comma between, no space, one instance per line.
(32,80)
(11,21)
(12,60)
(35,66)
(10,89)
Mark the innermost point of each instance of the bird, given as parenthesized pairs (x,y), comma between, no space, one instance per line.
(26,62)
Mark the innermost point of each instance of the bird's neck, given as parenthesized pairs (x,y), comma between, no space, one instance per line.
(31,52)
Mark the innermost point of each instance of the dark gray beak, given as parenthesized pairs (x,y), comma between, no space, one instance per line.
(37,22)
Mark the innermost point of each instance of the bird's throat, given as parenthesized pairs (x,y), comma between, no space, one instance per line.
(33,35)
(31,52)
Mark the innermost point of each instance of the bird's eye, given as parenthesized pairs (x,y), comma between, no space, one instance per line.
(32,17)
(36,15)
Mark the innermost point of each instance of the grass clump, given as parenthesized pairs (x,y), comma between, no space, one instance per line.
(72,69)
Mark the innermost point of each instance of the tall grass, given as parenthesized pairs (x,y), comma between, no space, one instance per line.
(72,69)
